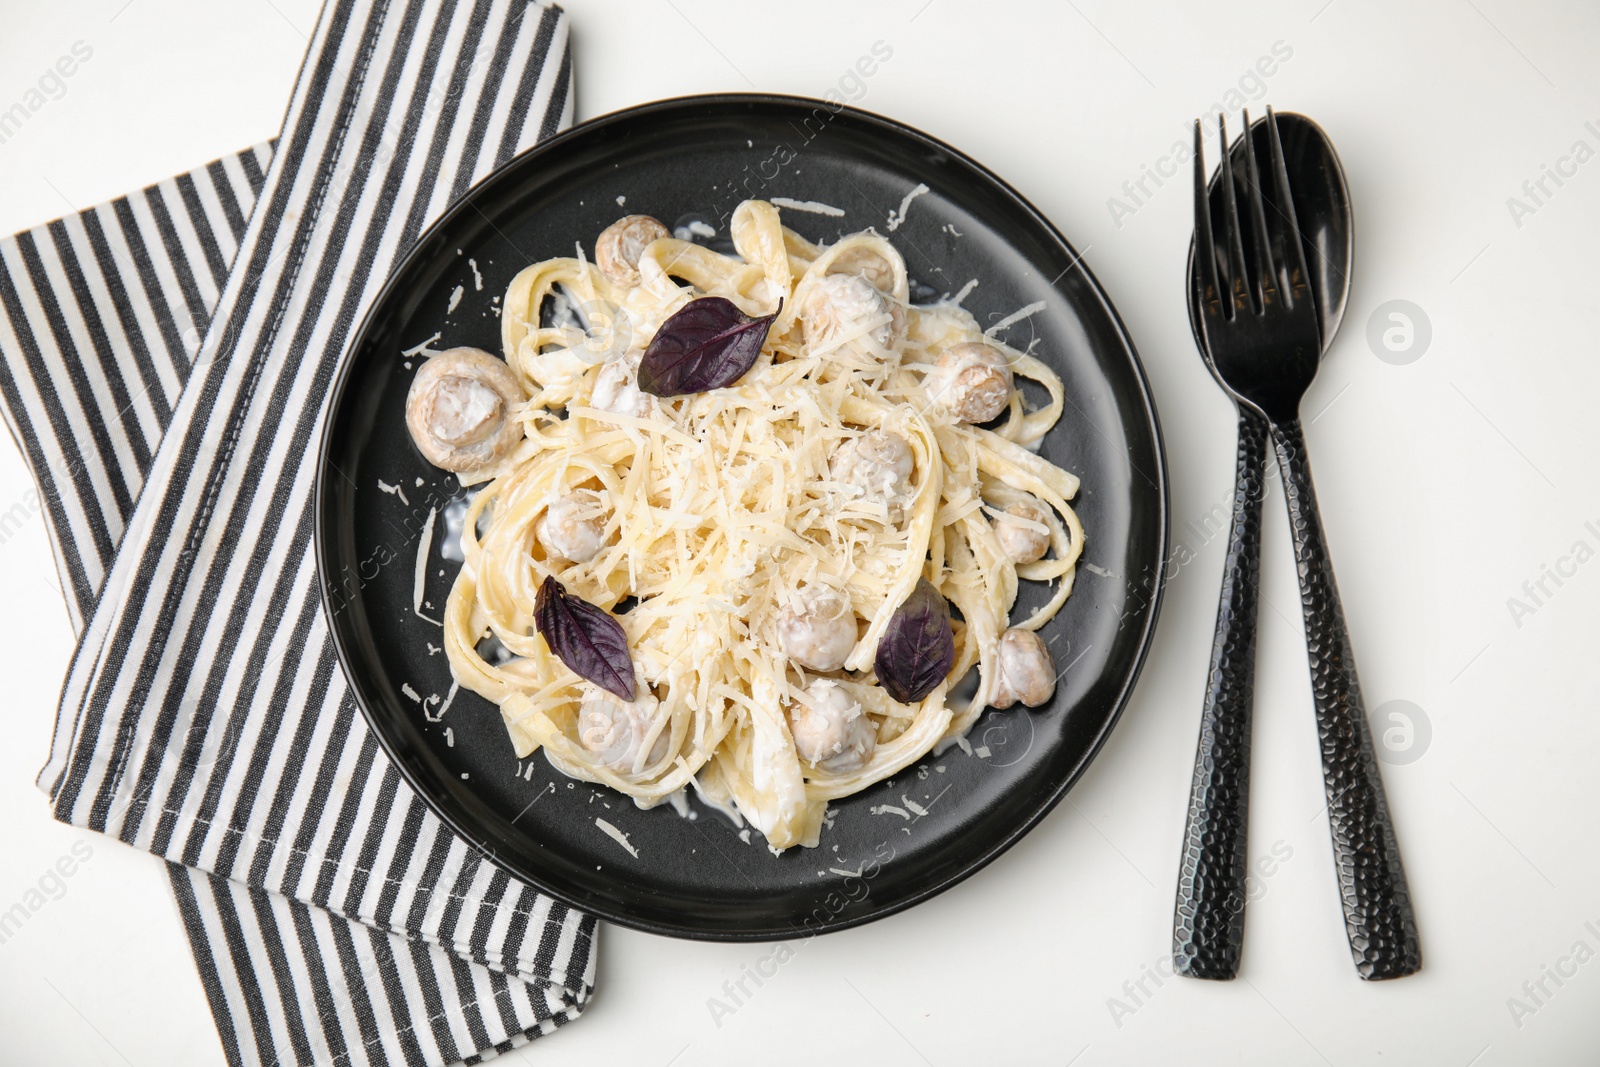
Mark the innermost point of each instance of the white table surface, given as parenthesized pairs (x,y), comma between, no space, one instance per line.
(1446,483)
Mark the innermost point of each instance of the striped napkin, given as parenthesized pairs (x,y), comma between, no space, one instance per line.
(166,359)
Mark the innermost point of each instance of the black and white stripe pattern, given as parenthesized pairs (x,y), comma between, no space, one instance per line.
(294,984)
(333,918)
(106,309)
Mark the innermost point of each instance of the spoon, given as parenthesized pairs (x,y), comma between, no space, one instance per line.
(1322,207)
(1208,926)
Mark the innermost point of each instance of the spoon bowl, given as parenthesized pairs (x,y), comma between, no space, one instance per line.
(1322,207)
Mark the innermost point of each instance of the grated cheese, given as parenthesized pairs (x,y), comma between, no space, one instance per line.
(618,836)
(1015,317)
(424,349)
(896,218)
(811,206)
(419,575)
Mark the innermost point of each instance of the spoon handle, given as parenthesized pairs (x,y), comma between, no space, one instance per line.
(1372,883)
(1208,927)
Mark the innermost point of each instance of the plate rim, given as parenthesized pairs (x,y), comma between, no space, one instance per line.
(321,511)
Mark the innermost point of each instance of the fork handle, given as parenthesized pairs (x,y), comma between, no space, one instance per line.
(1208,924)
(1372,882)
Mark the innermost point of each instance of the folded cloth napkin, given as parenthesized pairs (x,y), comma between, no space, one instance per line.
(166,359)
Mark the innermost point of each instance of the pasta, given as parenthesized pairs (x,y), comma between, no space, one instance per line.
(742,533)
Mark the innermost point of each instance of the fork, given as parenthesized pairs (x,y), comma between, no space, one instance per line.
(1262,344)
(1208,919)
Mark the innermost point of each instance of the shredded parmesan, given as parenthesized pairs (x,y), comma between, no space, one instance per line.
(424,349)
(695,228)
(618,836)
(812,206)
(419,574)
(448,699)
(896,218)
(1015,317)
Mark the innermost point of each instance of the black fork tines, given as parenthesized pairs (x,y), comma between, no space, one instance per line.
(1266,268)
(1205,280)
(1291,253)
(1240,288)
(1249,254)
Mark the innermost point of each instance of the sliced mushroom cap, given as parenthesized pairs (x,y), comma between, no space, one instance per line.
(615,730)
(879,464)
(818,630)
(830,729)
(1026,672)
(459,409)
(619,246)
(972,380)
(842,307)
(867,262)
(1023,530)
(573,526)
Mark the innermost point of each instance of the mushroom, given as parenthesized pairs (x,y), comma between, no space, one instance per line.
(879,464)
(972,381)
(459,409)
(830,729)
(619,246)
(571,527)
(1024,530)
(616,389)
(615,730)
(1025,673)
(818,630)
(842,307)
(867,262)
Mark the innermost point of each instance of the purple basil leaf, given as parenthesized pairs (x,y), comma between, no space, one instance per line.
(706,344)
(918,648)
(585,638)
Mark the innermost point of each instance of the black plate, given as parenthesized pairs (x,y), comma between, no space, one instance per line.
(698,157)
